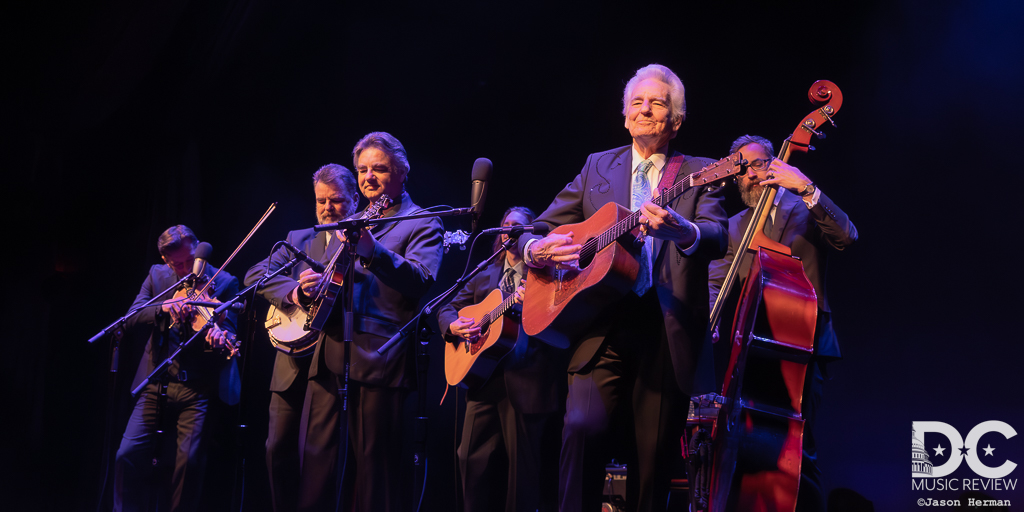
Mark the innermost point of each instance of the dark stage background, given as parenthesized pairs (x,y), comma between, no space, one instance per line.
(123,118)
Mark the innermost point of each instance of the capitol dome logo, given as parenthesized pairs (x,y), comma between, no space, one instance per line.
(922,467)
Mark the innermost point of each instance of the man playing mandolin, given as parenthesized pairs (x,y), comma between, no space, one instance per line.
(811,225)
(396,263)
(640,359)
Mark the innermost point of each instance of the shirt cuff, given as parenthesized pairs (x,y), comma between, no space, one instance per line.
(812,200)
(527,257)
(696,242)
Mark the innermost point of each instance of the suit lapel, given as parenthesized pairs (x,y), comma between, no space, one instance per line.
(317,247)
(621,177)
(782,215)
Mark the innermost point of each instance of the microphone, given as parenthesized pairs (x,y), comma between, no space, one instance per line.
(203,251)
(237,306)
(301,256)
(481,173)
(537,228)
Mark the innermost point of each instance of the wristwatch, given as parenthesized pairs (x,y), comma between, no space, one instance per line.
(808,190)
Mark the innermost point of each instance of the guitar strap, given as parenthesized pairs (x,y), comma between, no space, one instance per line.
(668,178)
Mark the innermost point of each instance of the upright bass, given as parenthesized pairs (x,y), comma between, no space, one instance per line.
(758,437)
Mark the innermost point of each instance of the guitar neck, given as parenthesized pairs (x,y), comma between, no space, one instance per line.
(498,311)
(723,168)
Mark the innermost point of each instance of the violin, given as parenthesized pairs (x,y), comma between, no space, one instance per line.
(204,314)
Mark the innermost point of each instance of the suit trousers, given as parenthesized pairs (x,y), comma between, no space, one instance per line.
(283,445)
(502,454)
(629,386)
(374,476)
(138,479)
(318,444)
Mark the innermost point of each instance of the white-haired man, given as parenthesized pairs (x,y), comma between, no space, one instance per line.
(640,360)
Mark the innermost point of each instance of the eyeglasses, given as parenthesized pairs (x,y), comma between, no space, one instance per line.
(760,164)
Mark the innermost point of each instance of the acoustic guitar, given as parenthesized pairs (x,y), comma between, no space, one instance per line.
(560,304)
(470,364)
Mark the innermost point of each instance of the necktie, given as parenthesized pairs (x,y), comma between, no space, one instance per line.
(642,194)
(508,281)
(768,223)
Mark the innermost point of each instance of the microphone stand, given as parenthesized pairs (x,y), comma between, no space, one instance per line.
(159,371)
(117,329)
(361,223)
(430,307)
(423,357)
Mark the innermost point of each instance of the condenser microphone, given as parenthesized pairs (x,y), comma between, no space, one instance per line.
(481,173)
(537,228)
(203,251)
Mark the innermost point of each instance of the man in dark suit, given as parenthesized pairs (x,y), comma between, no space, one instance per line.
(644,354)
(396,264)
(810,224)
(179,402)
(297,426)
(512,425)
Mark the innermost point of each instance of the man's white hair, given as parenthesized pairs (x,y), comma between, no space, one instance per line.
(676,91)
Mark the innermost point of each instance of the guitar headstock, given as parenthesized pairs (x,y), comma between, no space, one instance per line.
(728,166)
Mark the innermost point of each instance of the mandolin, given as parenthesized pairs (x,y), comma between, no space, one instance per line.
(333,279)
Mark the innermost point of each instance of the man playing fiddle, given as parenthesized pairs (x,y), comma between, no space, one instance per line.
(178,403)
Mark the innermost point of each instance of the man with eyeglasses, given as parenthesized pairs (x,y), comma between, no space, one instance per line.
(810,224)
(179,403)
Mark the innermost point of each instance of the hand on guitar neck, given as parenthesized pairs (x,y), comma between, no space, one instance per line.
(666,224)
(468,328)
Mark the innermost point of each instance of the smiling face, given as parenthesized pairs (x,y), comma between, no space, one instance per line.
(376,175)
(649,116)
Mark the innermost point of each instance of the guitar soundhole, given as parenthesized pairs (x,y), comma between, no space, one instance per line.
(586,256)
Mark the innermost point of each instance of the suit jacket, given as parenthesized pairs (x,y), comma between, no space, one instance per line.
(287,368)
(404,264)
(203,370)
(809,233)
(535,382)
(679,280)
